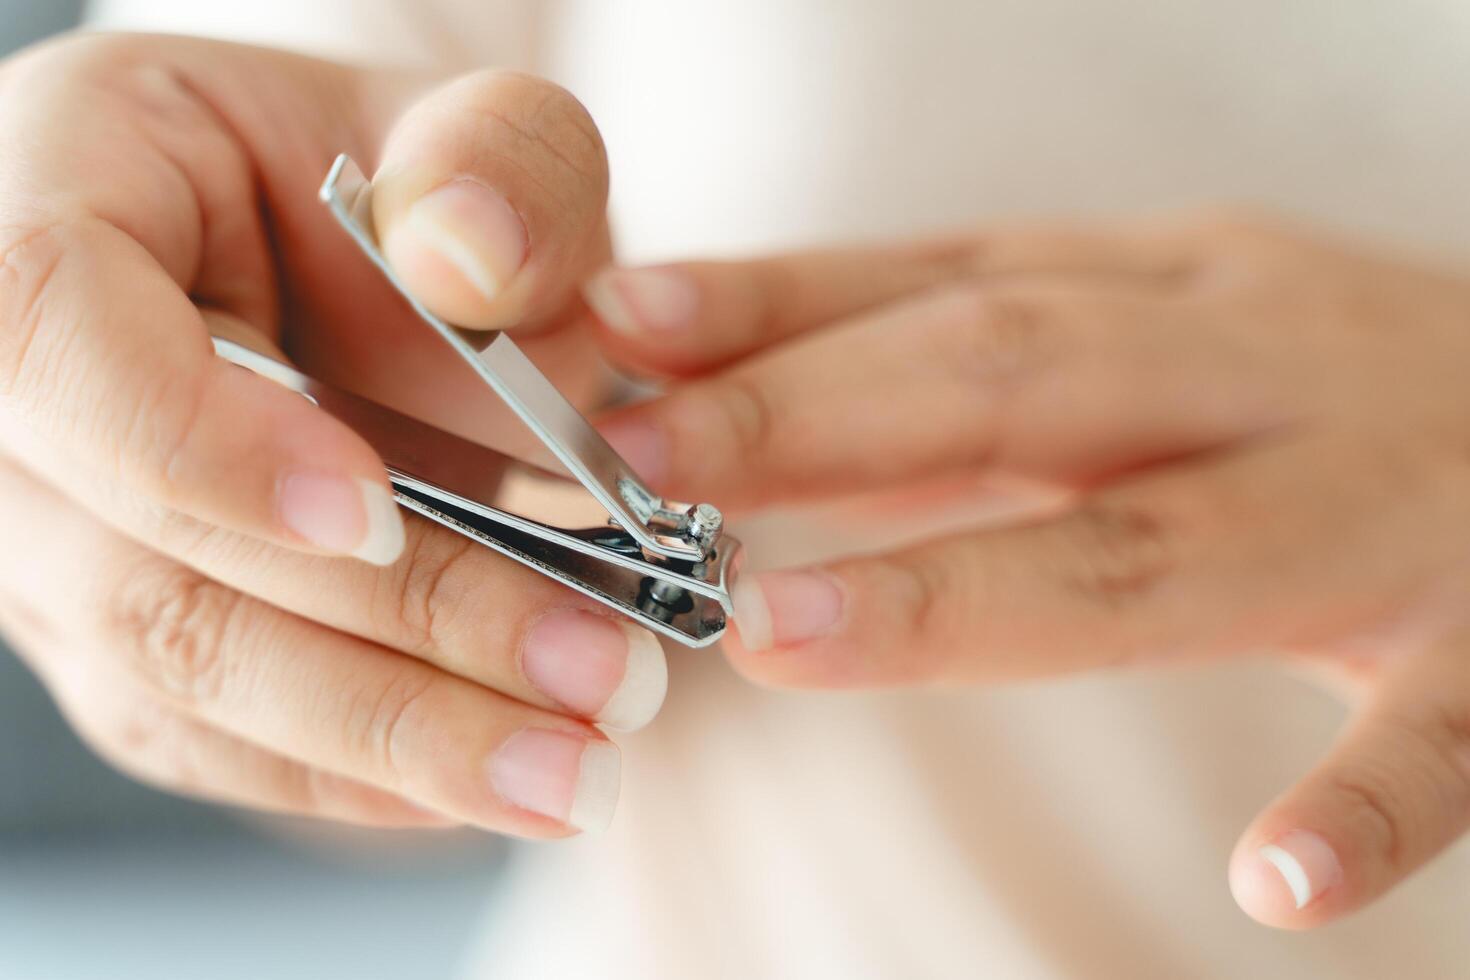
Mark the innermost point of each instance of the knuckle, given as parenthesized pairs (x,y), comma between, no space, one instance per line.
(746,414)
(990,339)
(157,439)
(1412,793)
(31,256)
(141,737)
(922,591)
(1369,806)
(1113,555)
(173,626)
(386,722)
(427,590)
(136,732)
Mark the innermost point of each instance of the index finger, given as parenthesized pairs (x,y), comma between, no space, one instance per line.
(107,373)
(692,317)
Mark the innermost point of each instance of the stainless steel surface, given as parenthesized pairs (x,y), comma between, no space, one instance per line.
(453,481)
(664,563)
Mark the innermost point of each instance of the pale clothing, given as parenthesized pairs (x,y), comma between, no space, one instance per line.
(1071,829)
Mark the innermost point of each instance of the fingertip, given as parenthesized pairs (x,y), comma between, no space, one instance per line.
(752,615)
(644,685)
(1278,881)
(383,542)
(258,458)
(654,303)
(776,614)
(598,784)
(786,608)
(341,515)
(564,776)
(643,445)
(1259,890)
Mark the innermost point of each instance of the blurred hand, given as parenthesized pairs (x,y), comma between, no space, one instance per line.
(1262,442)
(180,535)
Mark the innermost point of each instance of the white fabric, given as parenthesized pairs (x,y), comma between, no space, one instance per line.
(1075,829)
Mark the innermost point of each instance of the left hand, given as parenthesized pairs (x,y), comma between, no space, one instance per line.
(1265,442)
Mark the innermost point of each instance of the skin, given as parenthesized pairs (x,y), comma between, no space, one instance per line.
(1251,437)
(153,190)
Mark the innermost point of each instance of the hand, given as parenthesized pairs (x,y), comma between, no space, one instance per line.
(177,531)
(1260,439)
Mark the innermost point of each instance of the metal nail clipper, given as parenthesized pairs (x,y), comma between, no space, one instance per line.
(667,565)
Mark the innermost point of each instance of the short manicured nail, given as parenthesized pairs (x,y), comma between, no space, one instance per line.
(781,608)
(1296,867)
(561,775)
(342,515)
(643,446)
(457,247)
(652,300)
(609,670)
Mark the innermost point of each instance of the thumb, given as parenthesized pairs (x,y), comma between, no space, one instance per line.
(490,200)
(1392,794)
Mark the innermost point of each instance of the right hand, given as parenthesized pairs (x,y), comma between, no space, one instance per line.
(179,534)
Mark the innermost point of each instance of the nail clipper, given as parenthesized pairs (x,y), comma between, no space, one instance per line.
(667,565)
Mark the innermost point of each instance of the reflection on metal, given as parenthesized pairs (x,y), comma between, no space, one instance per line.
(666,564)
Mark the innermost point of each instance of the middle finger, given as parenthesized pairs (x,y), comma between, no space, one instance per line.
(1057,382)
(449,602)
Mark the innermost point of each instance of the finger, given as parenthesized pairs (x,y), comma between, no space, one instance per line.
(691,317)
(1289,545)
(110,375)
(448,601)
(1393,793)
(341,704)
(491,197)
(454,604)
(324,699)
(170,750)
(106,371)
(1058,383)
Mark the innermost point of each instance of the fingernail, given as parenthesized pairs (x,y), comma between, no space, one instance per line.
(344,516)
(560,775)
(643,446)
(782,608)
(1300,859)
(457,247)
(634,301)
(608,670)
